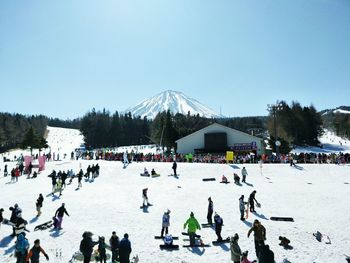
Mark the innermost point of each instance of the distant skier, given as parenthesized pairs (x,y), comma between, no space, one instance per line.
(193,225)
(259,236)
(165,222)
(21,248)
(210,211)
(1,216)
(39,204)
(235,249)
(53,182)
(145,197)
(218,226)
(114,244)
(5,170)
(125,158)
(145,172)
(244,174)
(224,179)
(86,246)
(34,253)
(125,249)
(59,214)
(174,167)
(242,207)
(251,201)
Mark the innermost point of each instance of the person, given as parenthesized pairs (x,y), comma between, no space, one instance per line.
(174,167)
(284,241)
(125,158)
(80,177)
(114,244)
(20,225)
(102,249)
(218,226)
(53,182)
(259,235)
(235,249)
(145,172)
(21,248)
(266,255)
(59,215)
(17,173)
(144,196)
(34,253)
(224,179)
(63,179)
(59,185)
(13,175)
(244,174)
(1,216)
(245,258)
(165,222)
(153,172)
(39,204)
(210,211)
(15,211)
(236,178)
(5,170)
(251,201)
(87,245)
(242,207)
(125,249)
(193,225)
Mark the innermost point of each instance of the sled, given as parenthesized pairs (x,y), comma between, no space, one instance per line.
(169,247)
(287,219)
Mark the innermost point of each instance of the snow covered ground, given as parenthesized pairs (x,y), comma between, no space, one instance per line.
(331,144)
(316,196)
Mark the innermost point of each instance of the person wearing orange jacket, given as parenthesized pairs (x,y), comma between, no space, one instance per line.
(34,253)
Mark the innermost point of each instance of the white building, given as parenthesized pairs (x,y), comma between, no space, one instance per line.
(219,138)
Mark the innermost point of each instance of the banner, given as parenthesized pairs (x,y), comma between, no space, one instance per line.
(229,156)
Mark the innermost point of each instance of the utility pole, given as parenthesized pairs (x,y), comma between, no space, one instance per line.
(275,108)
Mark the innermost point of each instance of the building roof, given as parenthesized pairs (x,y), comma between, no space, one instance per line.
(219,126)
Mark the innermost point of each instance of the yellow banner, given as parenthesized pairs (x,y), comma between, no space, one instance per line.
(229,156)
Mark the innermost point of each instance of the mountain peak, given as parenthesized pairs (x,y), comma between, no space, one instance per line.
(175,101)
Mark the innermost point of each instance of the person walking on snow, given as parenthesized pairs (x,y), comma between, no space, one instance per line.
(210,211)
(125,158)
(244,174)
(39,204)
(235,249)
(193,225)
(86,246)
(114,244)
(125,249)
(174,167)
(102,249)
(21,248)
(218,226)
(34,253)
(259,236)
(165,222)
(145,198)
(251,201)
(59,215)
(242,207)
(80,177)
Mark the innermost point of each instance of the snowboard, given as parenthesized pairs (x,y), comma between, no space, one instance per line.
(216,242)
(155,175)
(44,226)
(186,234)
(208,179)
(159,237)
(177,175)
(197,245)
(225,182)
(143,174)
(207,225)
(170,247)
(276,218)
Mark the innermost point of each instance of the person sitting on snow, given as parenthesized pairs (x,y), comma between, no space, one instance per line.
(236,178)
(145,171)
(224,179)
(153,172)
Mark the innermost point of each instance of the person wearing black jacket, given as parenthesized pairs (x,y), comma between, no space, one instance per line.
(251,201)
(125,249)
(114,244)
(266,255)
(39,204)
(20,226)
(80,177)
(59,214)
(54,182)
(1,216)
(218,226)
(64,178)
(87,245)
(174,167)
(15,211)
(210,211)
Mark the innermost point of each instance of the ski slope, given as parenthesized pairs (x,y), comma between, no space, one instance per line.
(316,196)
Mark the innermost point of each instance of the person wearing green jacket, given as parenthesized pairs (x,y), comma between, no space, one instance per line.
(193,225)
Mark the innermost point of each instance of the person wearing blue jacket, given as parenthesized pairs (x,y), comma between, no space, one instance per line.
(125,249)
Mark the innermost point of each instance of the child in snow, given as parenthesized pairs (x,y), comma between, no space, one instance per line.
(34,253)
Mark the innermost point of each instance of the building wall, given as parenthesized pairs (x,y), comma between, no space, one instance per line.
(196,140)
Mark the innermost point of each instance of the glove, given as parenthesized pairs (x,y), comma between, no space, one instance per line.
(47,257)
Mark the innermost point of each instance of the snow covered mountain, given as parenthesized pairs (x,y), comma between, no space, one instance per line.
(175,101)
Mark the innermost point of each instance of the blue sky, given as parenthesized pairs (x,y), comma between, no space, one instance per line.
(62,58)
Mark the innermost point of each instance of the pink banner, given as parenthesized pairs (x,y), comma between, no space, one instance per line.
(41,163)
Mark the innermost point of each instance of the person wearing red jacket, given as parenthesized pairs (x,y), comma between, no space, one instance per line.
(34,253)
